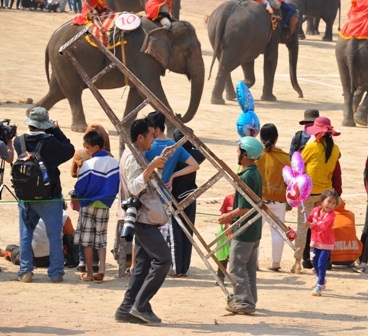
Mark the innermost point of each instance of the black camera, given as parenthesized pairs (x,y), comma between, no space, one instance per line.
(131,207)
(7,131)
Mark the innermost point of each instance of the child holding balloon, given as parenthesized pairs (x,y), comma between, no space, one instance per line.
(320,221)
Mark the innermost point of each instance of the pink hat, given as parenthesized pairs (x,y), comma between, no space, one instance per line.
(322,125)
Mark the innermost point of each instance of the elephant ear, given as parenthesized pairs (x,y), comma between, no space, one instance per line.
(157,44)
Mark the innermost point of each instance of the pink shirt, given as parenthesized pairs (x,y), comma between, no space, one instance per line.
(322,236)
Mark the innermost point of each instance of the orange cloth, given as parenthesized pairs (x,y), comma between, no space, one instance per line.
(82,19)
(347,246)
(357,25)
(153,7)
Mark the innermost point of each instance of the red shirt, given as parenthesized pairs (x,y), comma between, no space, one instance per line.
(322,236)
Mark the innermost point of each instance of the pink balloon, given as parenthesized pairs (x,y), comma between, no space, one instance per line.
(287,174)
(297,163)
(298,190)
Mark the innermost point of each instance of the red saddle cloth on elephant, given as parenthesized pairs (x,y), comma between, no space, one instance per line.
(357,25)
(110,39)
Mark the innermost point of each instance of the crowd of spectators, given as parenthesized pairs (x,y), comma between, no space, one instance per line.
(57,6)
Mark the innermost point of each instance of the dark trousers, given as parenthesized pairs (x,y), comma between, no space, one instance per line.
(153,261)
(182,245)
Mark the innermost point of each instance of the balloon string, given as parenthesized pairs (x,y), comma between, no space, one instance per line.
(304,214)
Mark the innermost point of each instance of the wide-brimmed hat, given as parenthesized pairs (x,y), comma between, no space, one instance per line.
(39,118)
(309,116)
(322,125)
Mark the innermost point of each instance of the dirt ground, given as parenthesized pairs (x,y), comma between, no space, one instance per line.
(193,305)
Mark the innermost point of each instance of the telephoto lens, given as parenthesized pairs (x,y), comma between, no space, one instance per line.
(127,231)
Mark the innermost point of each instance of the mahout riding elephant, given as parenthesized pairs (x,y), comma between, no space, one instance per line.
(177,49)
(136,6)
(352,60)
(239,31)
(320,9)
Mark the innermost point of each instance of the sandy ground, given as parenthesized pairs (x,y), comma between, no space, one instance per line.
(193,305)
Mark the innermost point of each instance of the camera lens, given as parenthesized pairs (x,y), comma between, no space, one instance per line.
(127,231)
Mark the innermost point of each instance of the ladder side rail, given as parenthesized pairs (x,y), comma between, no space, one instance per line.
(133,114)
(200,190)
(67,45)
(205,260)
(105,106)
(256,202)
(236,233)
(234,225)
(102,73)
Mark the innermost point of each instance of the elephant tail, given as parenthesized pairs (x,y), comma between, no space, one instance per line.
(222,18)
(351,51)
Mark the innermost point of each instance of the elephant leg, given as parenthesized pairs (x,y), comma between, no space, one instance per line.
(361,116)
(301,34)
(218,89)
(310,26)
(249,76)
(269,68)
(316,25)
(134,99)
(348,110)
(230,91)
(79,123)
(328,32)
(357,98)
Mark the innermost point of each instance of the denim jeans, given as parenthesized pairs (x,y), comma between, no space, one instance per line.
(320,264)
(52,215)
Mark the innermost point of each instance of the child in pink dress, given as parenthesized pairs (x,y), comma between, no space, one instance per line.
(320,221)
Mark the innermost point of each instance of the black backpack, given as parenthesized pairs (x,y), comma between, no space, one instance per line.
(27,175)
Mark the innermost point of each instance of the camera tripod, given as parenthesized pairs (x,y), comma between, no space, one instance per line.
(2,185)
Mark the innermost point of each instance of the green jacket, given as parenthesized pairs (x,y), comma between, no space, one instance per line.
(252,178)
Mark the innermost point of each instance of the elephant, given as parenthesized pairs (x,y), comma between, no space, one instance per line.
(320,9)
(239,31)
(352,61)
(177,49)
(136,6)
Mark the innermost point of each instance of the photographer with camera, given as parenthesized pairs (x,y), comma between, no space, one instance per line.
(7,133)
(56,149)
(153,257)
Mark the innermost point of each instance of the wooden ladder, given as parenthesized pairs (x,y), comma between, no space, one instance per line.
(222,171)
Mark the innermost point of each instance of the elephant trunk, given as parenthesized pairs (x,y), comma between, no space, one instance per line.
(195,73)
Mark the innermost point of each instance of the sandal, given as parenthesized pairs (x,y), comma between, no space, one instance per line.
(85,277)
(275,269)
(98,277)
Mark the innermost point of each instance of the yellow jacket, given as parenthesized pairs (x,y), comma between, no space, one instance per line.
(320,172)
(270,166)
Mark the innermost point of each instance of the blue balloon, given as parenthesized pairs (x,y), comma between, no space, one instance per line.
(244,96)
(248,124)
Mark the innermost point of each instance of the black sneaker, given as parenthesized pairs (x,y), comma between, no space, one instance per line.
(82,268)
(147,316)
(307,263)
(128,318)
